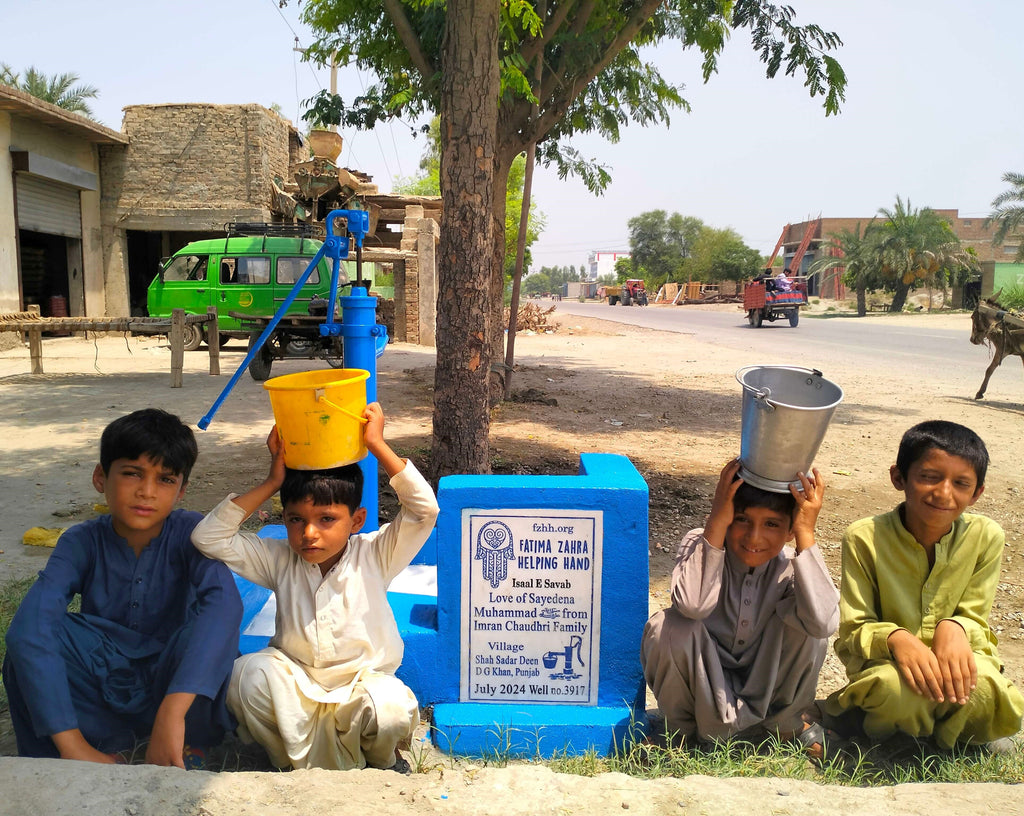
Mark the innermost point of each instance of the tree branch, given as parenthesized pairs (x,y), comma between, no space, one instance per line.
(556,98)
(409,39)
(538,44)
(580,21)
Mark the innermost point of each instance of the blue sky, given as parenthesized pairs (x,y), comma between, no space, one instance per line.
(933,111)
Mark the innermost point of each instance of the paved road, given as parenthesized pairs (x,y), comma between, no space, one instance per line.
(817,340)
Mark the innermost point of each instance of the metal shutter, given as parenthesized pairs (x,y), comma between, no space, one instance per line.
(45,206)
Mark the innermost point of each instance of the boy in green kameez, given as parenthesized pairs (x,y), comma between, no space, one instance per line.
(917,588)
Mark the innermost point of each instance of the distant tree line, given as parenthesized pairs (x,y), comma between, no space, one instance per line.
(550,279)
(676,248)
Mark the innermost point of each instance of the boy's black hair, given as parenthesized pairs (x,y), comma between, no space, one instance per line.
(749,496)
(954,439)
(150,432)
(340,485)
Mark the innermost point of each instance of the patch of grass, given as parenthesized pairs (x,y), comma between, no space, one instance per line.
(891,763)
(1012,298)
(11,593)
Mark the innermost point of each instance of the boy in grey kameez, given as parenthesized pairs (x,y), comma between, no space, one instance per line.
(739,651)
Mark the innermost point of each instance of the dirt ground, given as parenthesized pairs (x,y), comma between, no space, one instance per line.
(668,401)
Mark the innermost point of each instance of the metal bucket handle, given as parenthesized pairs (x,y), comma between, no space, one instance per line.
(762,396)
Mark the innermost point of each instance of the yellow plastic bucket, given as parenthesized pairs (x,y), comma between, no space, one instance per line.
(319,415)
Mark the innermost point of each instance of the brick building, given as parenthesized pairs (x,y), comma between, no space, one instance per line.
(972,233)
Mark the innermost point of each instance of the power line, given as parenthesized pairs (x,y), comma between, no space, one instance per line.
(603,244)
(352,158)
(277,8)
(296,48)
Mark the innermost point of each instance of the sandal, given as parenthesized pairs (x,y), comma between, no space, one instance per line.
(812,741)
(825,747)
(401,765)
(194,758)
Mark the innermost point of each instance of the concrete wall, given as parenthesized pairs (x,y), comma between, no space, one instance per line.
(1007,276)
(9,301)
(416,303)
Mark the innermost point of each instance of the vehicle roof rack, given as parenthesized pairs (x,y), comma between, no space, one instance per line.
(242,228)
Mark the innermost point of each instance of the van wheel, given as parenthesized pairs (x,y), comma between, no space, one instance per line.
(193,336)
(259,368)
(222,337)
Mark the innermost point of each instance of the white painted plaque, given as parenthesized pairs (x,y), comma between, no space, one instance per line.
(531,606)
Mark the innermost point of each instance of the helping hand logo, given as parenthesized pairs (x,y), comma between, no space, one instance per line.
(494,548)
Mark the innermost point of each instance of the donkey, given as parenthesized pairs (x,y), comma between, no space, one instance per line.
(993,330)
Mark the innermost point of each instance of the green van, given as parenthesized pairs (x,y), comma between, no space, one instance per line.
(241,274)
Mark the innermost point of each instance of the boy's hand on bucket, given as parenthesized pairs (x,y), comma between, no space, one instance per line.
(722,510)
(276,447)
(251,500)
(808,505)
(373,433)
(373,438)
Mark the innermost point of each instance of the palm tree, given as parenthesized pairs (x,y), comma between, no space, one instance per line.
(1008,210)
(851,252)
(912,246)
(59,89)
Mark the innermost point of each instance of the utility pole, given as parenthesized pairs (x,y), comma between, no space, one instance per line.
(334,74)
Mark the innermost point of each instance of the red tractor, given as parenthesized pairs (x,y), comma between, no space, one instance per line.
(632,291)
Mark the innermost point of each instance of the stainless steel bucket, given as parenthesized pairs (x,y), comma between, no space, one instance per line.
(786,411)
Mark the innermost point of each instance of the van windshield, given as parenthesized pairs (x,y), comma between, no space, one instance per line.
(186,268)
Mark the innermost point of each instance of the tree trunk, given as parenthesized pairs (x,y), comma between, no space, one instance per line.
(899,298)
(862,301)
(497,302)
(469,115)
(517,273)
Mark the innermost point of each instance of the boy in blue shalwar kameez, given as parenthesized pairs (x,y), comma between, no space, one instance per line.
(151,651)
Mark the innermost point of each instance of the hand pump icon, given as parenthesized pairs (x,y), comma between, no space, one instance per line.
(551,659)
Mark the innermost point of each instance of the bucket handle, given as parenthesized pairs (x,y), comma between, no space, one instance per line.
(318,393)
(762,395)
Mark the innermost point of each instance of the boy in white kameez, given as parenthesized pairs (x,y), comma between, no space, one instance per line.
(323,694)
(739,651)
